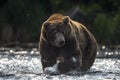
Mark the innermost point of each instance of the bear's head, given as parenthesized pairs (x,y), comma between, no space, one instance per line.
(56,31)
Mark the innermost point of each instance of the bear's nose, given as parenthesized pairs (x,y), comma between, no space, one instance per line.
(61,43)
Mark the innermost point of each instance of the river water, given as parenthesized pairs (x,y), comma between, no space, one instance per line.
(25,65)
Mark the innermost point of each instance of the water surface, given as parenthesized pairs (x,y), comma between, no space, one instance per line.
(25,65)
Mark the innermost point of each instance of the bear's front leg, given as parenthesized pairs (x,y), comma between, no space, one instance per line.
(67,65)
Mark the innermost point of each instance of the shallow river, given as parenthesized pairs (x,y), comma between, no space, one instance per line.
(26,65)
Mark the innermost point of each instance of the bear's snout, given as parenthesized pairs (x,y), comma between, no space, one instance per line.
(61,43)
(60,40)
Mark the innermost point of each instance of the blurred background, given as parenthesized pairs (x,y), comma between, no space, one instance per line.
(20,20)
(20,24)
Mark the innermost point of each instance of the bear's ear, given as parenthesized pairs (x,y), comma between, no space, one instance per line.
(66,19)
(46,25)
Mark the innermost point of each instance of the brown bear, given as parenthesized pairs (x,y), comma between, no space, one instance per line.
(66,45)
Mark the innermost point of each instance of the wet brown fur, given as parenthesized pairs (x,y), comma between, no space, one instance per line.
(80,44)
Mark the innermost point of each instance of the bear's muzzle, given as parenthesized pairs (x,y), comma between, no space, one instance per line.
(59,40)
